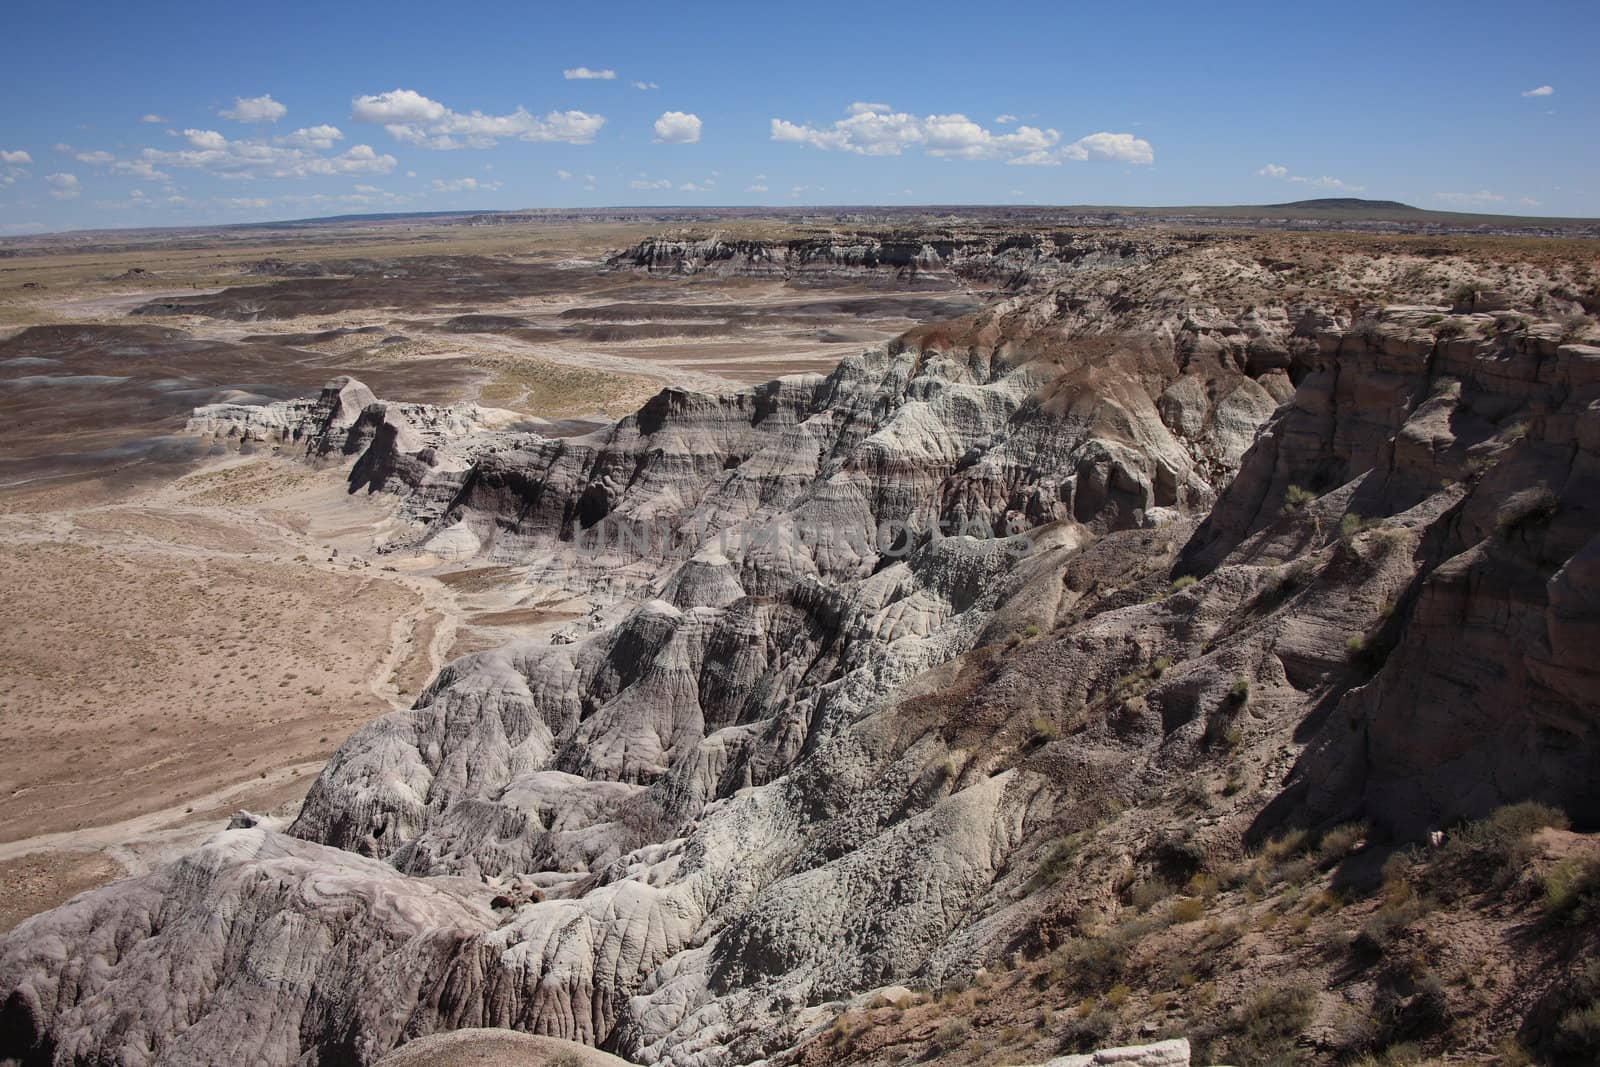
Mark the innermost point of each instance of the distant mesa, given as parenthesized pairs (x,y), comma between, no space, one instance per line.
(1345,203)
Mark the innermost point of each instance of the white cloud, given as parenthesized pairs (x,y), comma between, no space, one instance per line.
(588,182)
(878,130)
(213,153)
(642,184)
(16,158)
(1005,120)
(585,74)
(692,187)
(140,168)
(1479,198)
(1543,90)
(644,86)
(1121,147)
(1527,201)
(255,109)
(677,127)
(63,186)
(465,185)
(153,117)
(320,137)
(756,188)
(564,175)
(397,105)
(94,159)
(210,140)
(1326,181)
(411,117)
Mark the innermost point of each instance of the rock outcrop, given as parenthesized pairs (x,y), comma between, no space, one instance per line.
(886,634)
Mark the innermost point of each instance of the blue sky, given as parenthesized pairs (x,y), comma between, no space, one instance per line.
(174,114)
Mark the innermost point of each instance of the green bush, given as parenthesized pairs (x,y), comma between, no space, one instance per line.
(1296,498)
(1572,891)
(1180,584)
(1493,852)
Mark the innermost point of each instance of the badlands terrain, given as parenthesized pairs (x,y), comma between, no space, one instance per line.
(802,641)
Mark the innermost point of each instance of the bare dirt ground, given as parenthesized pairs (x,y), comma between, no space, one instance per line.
(191,633)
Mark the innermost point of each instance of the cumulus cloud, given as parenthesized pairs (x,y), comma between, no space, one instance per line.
(1477,199)
(295,156)
(63,186)
(677,127)
(878,130)
(140,168)
(1121,147)
(1326,181)
(255,109)
(413,118)
(1005,120)
(1543,90)
(564,175)
(15,158)
(465,185)
(153,117)
(645,86)
(756,188)
(585,74)
(94,159)
(642,183)
(319,137)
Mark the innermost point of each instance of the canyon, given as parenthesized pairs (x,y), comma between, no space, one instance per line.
(863,645)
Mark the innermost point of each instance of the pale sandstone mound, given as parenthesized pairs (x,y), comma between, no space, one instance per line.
(775,772)
(496,1048)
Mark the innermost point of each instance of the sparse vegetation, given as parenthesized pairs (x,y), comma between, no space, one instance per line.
(1295,497)
(1181,583)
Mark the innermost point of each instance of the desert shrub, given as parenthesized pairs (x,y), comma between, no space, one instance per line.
(1160,665)
(1572,891)
(1058,861)
(1574,327)
(1287,844)
(1092,962)
(1239,692)
(1449,329)
(1295,498)
(1264,1030)
(1355,644)
(1565,1031)
(1493,851)
(1118,994)
(1152,892)
(952,1034)
(1030,631)
(1087,1032)
(1465,293)
(1351,525)
(1188,909)
(1044,729)
(1366,329)
(1340,841)
(1389,923)
(1182,583)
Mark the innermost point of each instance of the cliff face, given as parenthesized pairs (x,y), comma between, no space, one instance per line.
(915,258)
(796,751)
